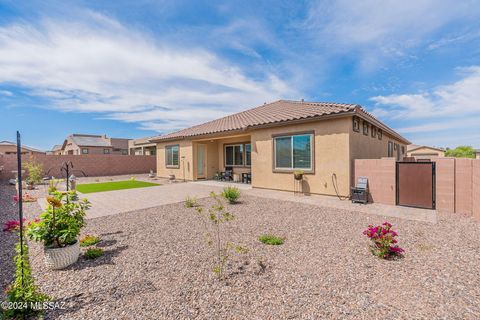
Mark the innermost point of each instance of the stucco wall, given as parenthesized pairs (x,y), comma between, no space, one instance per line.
(463,185)
(186,165)
(331,158)
(445,184)
(381,178)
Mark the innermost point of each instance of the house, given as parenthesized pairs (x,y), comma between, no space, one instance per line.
(56,150)
(477,154)
(141,146)
(424,152)
(81,144)
(7,147)
(275,139)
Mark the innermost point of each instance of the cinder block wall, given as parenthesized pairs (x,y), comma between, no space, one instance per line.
(457,183)
(92,164)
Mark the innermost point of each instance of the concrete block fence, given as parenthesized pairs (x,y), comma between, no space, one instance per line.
(457,183)
(93,165)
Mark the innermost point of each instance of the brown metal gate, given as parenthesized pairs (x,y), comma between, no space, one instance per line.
(416,184)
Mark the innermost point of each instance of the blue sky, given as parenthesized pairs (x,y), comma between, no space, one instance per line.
(139,68)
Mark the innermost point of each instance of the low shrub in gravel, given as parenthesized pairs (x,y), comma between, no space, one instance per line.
(213,218)
(383,241)
(232,194)
(191,202)
(89,240)
(93,253)
(270,239)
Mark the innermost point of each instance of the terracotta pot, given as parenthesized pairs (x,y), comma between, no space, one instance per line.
(298,176)
(59,258)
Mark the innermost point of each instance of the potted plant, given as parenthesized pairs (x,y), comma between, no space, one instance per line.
(298,174)
(59,227)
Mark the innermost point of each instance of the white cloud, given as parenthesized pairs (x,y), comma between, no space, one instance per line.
(6,93)
(99,65)
(378,30)
(459,99)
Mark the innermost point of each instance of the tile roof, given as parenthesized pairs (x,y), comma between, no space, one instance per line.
(90,140)
(274,113)
(9,143)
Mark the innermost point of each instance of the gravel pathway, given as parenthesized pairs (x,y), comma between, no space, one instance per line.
(157,266)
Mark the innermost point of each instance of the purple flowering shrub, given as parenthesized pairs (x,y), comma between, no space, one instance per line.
(383,241)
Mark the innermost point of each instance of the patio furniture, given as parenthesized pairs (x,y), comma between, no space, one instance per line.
(247,177)
(360,191)
(227,175)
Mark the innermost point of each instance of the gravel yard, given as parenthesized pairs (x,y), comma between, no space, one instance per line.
(157,266)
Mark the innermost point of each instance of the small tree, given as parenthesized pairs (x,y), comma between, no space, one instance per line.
(34,172)
(213,218)
(461,152)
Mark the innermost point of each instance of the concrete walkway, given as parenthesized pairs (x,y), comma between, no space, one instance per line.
(114,202)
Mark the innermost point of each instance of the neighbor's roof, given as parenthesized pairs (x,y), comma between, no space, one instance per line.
(57,147)
(9,143)
(86,140)
(413,147)
(276,113)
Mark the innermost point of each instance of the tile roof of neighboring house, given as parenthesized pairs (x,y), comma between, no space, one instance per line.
(86,140)
(140,141)
(275,113)
(412,147)
(9,143)
(57,147)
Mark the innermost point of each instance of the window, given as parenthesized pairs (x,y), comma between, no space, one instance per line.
(124,152)
(379,134)
(403,149)
(390,149)
(356,124)
(365,128)
(84,151)
(172,156)
(234,155)
(293,152)
(106,151)
(248,154)
(374,132)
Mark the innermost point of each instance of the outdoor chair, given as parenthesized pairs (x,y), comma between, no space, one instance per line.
(247,177)
(227,175)
(360,191)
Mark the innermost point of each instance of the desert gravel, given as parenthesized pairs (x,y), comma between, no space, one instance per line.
(157,266)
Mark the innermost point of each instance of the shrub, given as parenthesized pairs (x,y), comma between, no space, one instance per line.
(383,241)
(93,253)
(191,202)
(232,194)
(23,291)
(89,240)
(270,239)
(60,224)
(34,172)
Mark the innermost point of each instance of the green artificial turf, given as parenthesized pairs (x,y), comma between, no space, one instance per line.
(114,185)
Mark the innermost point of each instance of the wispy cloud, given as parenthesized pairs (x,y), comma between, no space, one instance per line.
(100,65)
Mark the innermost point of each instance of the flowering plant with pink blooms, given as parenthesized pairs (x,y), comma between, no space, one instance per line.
(384,243)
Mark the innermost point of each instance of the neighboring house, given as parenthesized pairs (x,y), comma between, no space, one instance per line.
(7,147)
(142,146)
(79,144)
(273,140)
(424,152)
(56,150)
(477,154)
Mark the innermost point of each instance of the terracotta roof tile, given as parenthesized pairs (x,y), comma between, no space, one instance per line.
(272,113)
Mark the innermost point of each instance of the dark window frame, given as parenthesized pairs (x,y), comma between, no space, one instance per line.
(244,154)
(174,166)
(310,170)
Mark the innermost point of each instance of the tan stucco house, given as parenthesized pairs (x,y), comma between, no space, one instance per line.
(8,147)
(142,147)
(83,144)
(275,139)
(424,152)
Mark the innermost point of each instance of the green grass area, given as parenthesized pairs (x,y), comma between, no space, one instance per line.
(113,185)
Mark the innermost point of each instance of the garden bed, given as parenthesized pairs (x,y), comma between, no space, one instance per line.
(157,265)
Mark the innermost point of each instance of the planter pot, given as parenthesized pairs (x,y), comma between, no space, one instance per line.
(298,176)
(171,177)
(59,258)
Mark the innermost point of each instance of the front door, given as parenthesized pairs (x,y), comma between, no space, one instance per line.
(201,161)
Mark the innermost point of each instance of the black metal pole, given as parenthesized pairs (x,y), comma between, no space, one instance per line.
(20,197)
